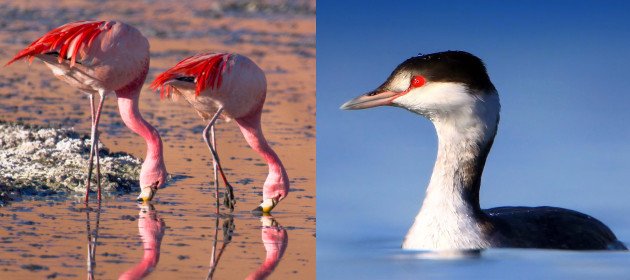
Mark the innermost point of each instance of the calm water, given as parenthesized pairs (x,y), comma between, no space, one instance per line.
(164,240)
(381,259)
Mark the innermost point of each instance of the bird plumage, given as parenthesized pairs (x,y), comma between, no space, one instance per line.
(207,69)
(549,228)
(67,40)
(228,86)
(454,91)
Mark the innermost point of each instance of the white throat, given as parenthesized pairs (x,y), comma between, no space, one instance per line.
(450,217)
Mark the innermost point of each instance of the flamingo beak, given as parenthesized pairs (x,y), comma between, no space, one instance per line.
(371,99)
(148,192)
(266,206)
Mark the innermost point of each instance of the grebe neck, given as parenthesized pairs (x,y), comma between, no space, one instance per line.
(450,213)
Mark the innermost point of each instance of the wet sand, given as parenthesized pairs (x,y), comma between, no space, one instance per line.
(50,238)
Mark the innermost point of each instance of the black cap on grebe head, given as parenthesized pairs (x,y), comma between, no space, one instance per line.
(449,66)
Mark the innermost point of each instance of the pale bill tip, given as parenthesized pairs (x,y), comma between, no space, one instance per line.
(345,106)
(350,105)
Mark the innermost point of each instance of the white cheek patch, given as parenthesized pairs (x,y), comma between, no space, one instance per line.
(434,96)
(400,82)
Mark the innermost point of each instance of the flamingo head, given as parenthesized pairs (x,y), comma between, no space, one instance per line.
(148,192)
(265,207)
(153,176)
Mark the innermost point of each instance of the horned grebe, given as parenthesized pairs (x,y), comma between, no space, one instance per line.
(453,90)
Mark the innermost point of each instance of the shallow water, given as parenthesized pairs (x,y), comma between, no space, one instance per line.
(44,238)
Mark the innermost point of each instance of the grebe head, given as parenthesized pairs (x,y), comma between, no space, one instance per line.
(439,86)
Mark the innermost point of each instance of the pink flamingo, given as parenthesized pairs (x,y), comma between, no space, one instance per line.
(103,57)
(230,86)
(275,239)
(151,228)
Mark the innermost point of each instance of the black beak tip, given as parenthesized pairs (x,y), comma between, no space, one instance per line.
(258,211)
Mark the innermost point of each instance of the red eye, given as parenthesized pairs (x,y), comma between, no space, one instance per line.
(417,81)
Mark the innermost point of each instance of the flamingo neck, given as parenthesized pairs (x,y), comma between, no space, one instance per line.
(450,216)
(251,128)
(153,168)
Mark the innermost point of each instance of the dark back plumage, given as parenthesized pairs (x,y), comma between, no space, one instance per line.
(551,228)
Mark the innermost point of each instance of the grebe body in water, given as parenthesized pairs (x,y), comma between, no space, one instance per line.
(453,90)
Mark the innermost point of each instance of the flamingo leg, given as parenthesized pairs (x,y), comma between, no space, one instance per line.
(215,167)
(98,163)
(90,161)
(228,200)
(94,145)
(98,169)
(211,144)
(95,150)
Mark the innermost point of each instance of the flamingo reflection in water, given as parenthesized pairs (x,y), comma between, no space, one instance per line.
(275,239)
(228,231)
(92,239)
(151,229)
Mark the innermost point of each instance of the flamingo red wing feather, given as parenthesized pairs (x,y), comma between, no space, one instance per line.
(208,70)
(60,39)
